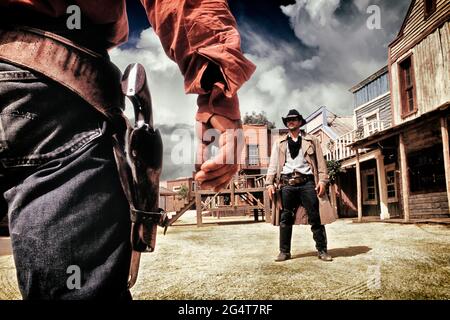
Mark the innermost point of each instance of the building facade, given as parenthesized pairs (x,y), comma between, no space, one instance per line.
(400,154)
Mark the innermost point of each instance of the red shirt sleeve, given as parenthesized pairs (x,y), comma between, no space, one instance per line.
(200,35)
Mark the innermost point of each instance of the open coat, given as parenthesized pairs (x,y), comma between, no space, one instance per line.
(312,151)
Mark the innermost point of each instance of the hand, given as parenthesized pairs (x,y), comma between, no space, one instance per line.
(217,172)
(271,191)
(320,189)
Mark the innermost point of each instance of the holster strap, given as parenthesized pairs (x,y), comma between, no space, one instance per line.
(146,217)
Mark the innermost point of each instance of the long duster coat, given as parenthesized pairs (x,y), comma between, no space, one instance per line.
(312,152)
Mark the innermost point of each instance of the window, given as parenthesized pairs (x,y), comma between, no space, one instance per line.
(430,7)
(427,170)
(370,196)
(391,183)
(253,155)
(407,87)
(371,124)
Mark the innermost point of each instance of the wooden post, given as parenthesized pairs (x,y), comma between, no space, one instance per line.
(382,187)
(339,201)
(198,206)
(233,198)
(444,129)
(358,186)
(267,212)
(405,178)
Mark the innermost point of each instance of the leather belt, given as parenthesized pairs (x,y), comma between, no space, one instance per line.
(296,179)
(83,71)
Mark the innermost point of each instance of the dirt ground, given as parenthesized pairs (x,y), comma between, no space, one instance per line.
(235,261)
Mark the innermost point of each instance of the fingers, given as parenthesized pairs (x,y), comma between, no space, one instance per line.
(219,179)
(228,153)
(203,176)
(215,173)
(320,189)
(222,186)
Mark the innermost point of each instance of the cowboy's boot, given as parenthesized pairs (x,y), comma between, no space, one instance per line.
(285,243)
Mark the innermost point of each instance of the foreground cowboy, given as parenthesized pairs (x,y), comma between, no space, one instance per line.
(298,169)
(67,211)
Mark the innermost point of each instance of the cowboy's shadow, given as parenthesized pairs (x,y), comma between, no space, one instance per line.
(337,253)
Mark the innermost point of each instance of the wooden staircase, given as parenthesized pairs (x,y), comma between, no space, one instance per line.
(182,211)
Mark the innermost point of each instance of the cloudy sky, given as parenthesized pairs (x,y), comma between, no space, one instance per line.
(308,54)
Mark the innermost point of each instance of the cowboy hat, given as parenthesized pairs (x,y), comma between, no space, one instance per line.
(294,114)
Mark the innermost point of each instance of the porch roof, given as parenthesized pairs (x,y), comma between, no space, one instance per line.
(388,133)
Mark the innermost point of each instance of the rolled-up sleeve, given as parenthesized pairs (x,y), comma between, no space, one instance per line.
(200,36)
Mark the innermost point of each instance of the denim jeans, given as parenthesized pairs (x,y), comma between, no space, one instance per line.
(68,216)
(292,197)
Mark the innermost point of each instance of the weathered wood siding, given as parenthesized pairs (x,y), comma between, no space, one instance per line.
(256,135)
(315,123)
(416,25)
(431,71)
(371,91)
(424,136)
(428,205)
(382,105)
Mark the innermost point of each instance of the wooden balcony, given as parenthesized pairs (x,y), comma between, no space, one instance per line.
(339,150)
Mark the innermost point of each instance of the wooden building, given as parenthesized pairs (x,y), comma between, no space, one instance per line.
(413,150)
(375,165)
(255,156)
(164,195)
(328,127)
(419,62)
(176,201)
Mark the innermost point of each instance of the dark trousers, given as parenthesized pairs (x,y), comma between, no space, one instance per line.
(68,216)
(293,197)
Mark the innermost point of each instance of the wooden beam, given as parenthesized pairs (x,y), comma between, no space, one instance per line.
(233,198)
(267,212)
(228,191)
(362,158)
(405,178)
(358,186)
(382,187)
(446,150)
(198,206)
(234,209)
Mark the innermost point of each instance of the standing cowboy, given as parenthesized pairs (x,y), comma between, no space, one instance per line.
(299,172)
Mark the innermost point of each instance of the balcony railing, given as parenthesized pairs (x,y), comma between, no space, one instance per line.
(339,150)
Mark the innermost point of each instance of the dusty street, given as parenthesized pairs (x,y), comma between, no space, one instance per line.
(371,261)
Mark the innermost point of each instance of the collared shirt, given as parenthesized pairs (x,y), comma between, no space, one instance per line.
(193,33)
(298,164)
